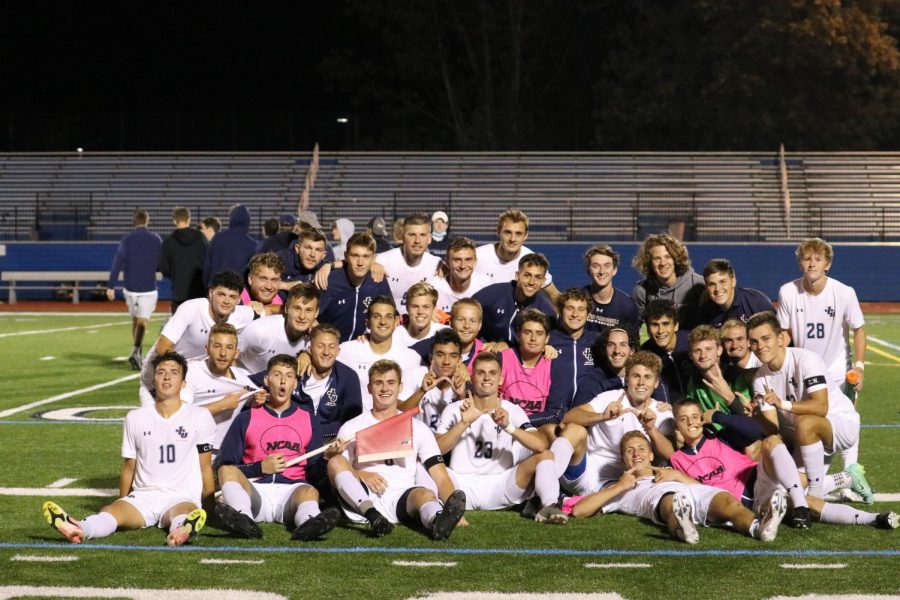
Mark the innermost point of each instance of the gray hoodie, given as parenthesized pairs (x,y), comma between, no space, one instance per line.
(345,229)
(685,294)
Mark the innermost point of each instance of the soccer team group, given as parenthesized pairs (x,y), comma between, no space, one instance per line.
(527,396)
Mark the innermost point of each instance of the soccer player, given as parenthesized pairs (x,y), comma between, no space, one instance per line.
(385,492)
(379,344)
(465,320)
(350,289)
(445,381)
(263,279)
(461,280)
(820,312)
(724,300)
(810,411)
(257,485)
(138,256)
(661,496)
(501,302)
(610,306)
(167,473)
(587,449)
(187,331)
(280,334)
(664,262)
(711,462)
(181,258)
(410,263)
(500,261)
(497,456)
(571,337)
(736,348)
(420,324)
(670,344)
(215,383)
(302,259)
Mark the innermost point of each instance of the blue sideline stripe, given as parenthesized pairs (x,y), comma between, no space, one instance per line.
(455,551)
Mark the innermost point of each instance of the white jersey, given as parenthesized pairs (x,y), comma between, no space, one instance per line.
(821,322)
(265,338)
(401,336)
(202,387)
(802,373)
(433,403)
(400,473)
(359,356)
(401,276)
(447,297)
(604,438)
(488,263)
(485,448)
(167,450)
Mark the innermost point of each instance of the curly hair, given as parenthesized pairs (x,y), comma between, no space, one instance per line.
(642,261)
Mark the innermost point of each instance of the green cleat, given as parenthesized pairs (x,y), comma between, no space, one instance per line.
(859,484)
(63,523)
(192,524)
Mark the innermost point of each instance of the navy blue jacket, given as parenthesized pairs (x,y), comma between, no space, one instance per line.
(621,312)
(345,306)
(747,302)
(138,256)
(575,358)
(341,401)
(498,301)
(676,369)
(231,249)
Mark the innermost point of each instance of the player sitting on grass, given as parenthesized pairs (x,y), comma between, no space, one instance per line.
(167,470)
(259,444)
(711,462)
(671,499)
(497,457)
(385,492)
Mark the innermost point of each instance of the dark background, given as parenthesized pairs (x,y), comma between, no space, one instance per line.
(456,75)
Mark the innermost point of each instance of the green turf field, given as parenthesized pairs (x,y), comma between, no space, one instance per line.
(611,556)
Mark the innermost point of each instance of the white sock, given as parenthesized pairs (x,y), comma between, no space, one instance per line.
(177,521)
(98,526)
(814,461)
(306,511)
(850,455)
(351,489)
(786,474)
(428,511)
(546,482)
(562,453)
(237,497)
(845,515)
(836,481)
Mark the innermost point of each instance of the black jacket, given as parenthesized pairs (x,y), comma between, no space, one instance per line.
(181,260)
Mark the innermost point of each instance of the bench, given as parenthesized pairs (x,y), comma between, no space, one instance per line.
(14,278)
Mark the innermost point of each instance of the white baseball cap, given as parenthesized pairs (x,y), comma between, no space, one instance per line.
(440,215)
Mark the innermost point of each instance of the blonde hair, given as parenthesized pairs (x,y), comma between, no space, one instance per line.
(815,246)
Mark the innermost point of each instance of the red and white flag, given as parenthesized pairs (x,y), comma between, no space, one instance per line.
(391,438)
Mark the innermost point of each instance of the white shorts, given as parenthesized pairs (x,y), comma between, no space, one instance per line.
(271,499)
(598,473)
(844,431)
(140,304)
(153,504)
(387,504)
(495,491)
(763,488)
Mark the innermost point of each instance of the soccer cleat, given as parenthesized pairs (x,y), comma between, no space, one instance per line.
(770,518)
(446,520)
(887,520)
(135,360)
(551,514)
(193,523)
(237,522)
(801,517)
(681,508)
(859,484)
(531,508)
(317,526)
(568,503)
(379,526)
(62,522)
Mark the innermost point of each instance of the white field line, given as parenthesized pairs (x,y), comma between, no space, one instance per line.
(617,565)
(19,591)
(229,561)
(47,358)
(61,483)
(30,405)
(421,563)
(32,558)
(883,342)
(60,329)
(813,566)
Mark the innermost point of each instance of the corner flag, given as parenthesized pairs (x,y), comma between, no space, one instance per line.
(391,438)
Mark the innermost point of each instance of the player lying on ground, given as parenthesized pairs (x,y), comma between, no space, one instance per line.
(712,462)
(167,470)
(384,492)
(661,496)
(259,444)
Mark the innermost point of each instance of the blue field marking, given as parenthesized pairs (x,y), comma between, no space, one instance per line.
(455,551)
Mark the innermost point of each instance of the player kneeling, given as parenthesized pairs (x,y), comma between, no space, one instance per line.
(167,470)
(384,492)
(676,501)
(259,445)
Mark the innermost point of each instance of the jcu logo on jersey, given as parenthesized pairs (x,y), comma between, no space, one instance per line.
(181,431)
(332,397)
